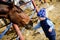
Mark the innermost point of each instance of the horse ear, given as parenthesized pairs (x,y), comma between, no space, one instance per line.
(11,6)
(13,2)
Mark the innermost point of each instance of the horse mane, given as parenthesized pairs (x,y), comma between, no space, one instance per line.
(6,3)
(5,7)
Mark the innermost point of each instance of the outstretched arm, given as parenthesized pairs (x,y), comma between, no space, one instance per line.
(37,26)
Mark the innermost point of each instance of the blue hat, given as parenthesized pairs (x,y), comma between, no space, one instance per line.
(42,13)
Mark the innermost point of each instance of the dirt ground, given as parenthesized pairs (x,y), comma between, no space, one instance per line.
(54,15)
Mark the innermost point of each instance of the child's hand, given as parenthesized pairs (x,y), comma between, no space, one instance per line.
(50,30)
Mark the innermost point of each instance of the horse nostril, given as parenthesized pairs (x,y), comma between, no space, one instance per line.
(29,25)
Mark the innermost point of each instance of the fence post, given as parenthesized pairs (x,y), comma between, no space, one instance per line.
(18,32)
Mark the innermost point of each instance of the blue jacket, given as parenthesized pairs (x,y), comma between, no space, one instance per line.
(46,25)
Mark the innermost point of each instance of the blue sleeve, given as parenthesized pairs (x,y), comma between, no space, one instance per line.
(37,26)
(50,24)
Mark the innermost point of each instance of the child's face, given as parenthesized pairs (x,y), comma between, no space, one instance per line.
(41,18)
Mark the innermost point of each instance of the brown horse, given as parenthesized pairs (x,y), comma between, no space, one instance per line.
(14,14)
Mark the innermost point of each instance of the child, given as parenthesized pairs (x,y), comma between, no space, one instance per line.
(46,24)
